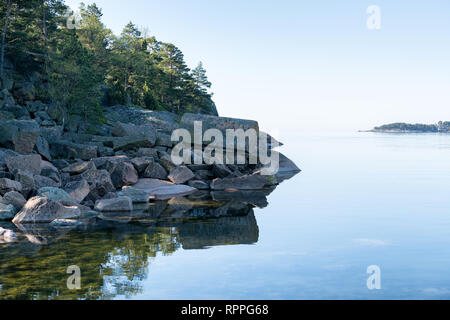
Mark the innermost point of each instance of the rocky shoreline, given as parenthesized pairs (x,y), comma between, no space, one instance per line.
(63,175)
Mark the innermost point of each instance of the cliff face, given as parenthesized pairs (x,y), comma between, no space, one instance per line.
(54,168)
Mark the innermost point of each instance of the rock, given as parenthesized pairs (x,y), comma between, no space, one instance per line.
(248,182)
(6,153)
(136,195)
(155,171)
(24,91)
(147,152)
(221,171)
(127,129)
(20,135)
(164,139)
(26,180)
(141,163)
(7,185)
(7,211)
(120,204)
(180,175)
(204,174)
(198,184)
(40,210)
(51,134)
(54,194)
(50,171)
(16,199)
(19,112)
(124,174)
(79,167)
(60,163)
(70,212)
(166,161)
(132,142)
(43,148)
(287,168)
(163,190)
(65,223)
(99,182)
(78,190)
(7,236)
(108,163)
(42,182)
(70,150)
(220,123)
(30,163)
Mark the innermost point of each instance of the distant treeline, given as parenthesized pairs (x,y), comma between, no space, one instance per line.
(83,66)
(440,127)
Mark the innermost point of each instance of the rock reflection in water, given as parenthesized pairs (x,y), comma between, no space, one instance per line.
(114,251)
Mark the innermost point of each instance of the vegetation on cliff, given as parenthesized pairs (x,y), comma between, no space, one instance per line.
(406,127)
(80,67)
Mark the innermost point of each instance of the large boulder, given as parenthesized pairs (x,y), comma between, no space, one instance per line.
(180,175)
(50,171)
(7,185)
(124,174)
(78,190)
(19,135)
(136,195)
(29,163)
(54,194)
(141,163)
(70,150)
(15,198)
(7,211)
(42,147)
(155,171)
(220,123)
(7,236)
(26,181)
(120,204)
(42,182)
(99,181)
(248,182)
(79,167)
(43,210)
(163,190)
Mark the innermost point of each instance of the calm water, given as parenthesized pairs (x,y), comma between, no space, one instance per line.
(362,199)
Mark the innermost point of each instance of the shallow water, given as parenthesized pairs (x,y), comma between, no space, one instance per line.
(362,199)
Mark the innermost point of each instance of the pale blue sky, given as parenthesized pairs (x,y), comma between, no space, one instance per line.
(306,65)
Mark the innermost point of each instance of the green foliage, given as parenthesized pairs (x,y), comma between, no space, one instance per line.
(81,70)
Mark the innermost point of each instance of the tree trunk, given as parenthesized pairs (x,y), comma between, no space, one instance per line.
(5,28)
(44,32)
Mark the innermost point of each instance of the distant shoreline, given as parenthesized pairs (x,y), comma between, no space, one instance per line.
(400,127)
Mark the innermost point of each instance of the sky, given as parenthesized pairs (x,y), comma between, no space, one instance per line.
(308,65)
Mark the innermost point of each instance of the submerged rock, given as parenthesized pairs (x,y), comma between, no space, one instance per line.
(249,182)
(120,204)
(7,236)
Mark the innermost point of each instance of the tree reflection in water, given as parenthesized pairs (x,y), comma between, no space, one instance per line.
(114,251)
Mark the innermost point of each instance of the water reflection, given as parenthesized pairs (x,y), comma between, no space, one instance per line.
(115,251)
